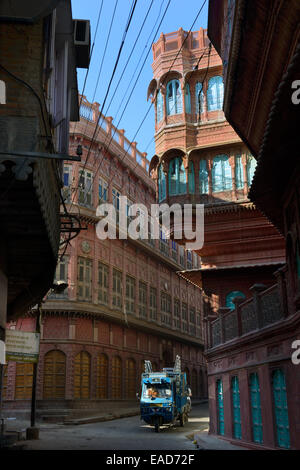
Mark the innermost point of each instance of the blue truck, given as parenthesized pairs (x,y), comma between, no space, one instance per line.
(165,396)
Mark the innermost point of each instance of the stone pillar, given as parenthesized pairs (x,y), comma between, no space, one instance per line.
(109,120)
(121,133)
(244,163)
(232,164)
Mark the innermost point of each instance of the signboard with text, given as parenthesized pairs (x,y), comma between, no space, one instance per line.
(22,346)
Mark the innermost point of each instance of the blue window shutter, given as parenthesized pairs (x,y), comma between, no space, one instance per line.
(178,97)
(235,390)
(281,409)
(217,174)
(215,93)
(220,408)
(221,174)
(191,178)
(173,177)
(182,176)
(203,177)
(161,184)
(239,174)
(159,106)
(199,90)
(174,98)
(170,99)
(257,429)
(187,99)
(227,178)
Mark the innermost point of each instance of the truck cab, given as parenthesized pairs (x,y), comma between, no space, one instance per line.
(164,396)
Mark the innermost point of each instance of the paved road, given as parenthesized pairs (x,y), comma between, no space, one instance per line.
(121,434)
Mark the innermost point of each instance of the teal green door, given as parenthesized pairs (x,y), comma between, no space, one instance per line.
(281,409)
(220,408)
(257,429)
(237,428)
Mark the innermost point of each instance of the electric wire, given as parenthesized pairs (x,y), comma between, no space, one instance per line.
(108,89)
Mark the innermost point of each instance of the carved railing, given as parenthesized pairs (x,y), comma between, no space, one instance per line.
(265,308)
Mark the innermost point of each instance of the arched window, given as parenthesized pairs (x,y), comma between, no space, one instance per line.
(199,97)
(251,165)
(177,177)
(187,99)
(161,184)
(24,378)
(130,379)
(231,296)
(174,97)
(116,378)
(191,178)
(54,374)
(82,372)
(203,177)
(215,93)
(239,173)
(159,106)
(221,174)
(102,376)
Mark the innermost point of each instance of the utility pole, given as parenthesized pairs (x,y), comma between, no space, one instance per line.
(33,431)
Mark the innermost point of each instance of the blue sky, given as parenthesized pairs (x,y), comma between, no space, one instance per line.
(181,13)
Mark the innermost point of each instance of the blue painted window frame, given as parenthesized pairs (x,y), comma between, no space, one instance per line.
(220,407)
(203,177)
(191,178)
(199,89)
(174,97)
(280,409)
(215,93)
(231,295)
(239,173)
(176,177)
(187,97)
(236,408)
(162,188)
(159,106)
(255,403)
(221,174)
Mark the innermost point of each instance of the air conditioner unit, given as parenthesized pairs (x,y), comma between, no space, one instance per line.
(82,42)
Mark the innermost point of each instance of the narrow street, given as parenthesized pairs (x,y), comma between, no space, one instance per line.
(121,434)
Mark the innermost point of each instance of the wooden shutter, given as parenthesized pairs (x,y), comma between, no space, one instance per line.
(24,378)
(82,369)
(54,375)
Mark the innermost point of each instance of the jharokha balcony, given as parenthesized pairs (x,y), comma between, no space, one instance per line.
(256,317)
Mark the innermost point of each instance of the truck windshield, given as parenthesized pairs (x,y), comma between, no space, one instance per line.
(157,391)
